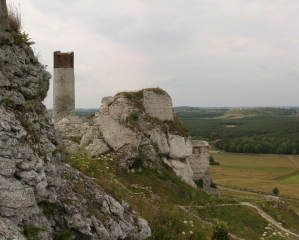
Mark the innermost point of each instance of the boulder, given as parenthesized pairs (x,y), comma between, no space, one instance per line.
(97,147)
(91,134)
(179,147)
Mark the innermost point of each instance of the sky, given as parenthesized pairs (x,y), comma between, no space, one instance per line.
(204,53)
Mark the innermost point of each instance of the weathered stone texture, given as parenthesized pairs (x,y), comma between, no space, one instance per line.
(30,167)
(158,105)
(63,93)
(180,147)
(200,159)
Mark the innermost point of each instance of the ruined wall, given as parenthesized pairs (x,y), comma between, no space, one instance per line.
(199,160)
(64,85)
(158,105)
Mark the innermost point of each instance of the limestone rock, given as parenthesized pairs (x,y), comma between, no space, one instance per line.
(34,192)
(119,223)
(160,138)
(97,147)
(91,134)
(9,231)
(119,108)
(182,169)
(180,147)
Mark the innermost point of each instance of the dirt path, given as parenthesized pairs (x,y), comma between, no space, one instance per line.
(269,218)
(292,159)
(260,211)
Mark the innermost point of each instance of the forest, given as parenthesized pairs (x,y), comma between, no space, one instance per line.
(254,130)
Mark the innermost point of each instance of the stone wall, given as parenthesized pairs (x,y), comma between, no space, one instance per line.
(158,105)
(199,160)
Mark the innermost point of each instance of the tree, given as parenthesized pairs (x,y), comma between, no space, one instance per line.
(294,152)
(279,150)
(275,191)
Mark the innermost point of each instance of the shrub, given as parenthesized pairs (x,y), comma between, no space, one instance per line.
(212,161)
(220,231)
(275,191)
(134,116)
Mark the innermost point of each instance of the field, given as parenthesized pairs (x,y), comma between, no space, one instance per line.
(258,172)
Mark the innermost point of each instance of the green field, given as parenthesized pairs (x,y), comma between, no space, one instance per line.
(258,172)
(290,178)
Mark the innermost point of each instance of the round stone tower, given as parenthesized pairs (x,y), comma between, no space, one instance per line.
(64,85)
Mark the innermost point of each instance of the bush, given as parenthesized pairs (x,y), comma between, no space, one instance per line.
(220,231)
(275,191)
(212,162)
(134,116)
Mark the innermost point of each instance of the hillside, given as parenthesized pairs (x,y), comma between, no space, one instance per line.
(130,171)
(258,130)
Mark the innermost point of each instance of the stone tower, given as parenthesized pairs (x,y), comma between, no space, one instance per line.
(64,85)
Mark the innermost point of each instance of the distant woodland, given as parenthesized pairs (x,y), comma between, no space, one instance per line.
(245,130)
(257,130)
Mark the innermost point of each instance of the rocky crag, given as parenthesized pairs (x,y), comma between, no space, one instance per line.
(39,197)
(141,127)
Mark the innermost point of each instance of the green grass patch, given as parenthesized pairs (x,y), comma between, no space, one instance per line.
(289,178)
(282,214)
(257,168)
(241,220)
(155,195)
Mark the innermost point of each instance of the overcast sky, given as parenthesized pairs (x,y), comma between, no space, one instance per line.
(202,52)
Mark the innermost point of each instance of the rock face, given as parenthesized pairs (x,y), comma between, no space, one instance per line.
(37,192)
(131,123)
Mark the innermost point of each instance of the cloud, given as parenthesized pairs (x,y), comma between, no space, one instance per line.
(204,53)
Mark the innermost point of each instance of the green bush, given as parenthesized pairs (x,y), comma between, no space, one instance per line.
(275,191)
(220,231)
(134,116)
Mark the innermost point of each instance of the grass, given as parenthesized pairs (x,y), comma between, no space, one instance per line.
(14,18)
(154,195)
(289,178)
(178,127)
(241,220)
(258,172)
(283,214)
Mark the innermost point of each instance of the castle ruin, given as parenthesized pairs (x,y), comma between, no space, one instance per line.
(200,159)
(63,86)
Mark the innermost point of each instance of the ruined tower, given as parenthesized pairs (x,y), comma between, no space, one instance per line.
(64,85)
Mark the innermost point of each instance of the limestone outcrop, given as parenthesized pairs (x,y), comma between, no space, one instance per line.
(138,125)
(38,193)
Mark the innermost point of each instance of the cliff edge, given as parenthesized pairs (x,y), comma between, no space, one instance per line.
(41,197)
